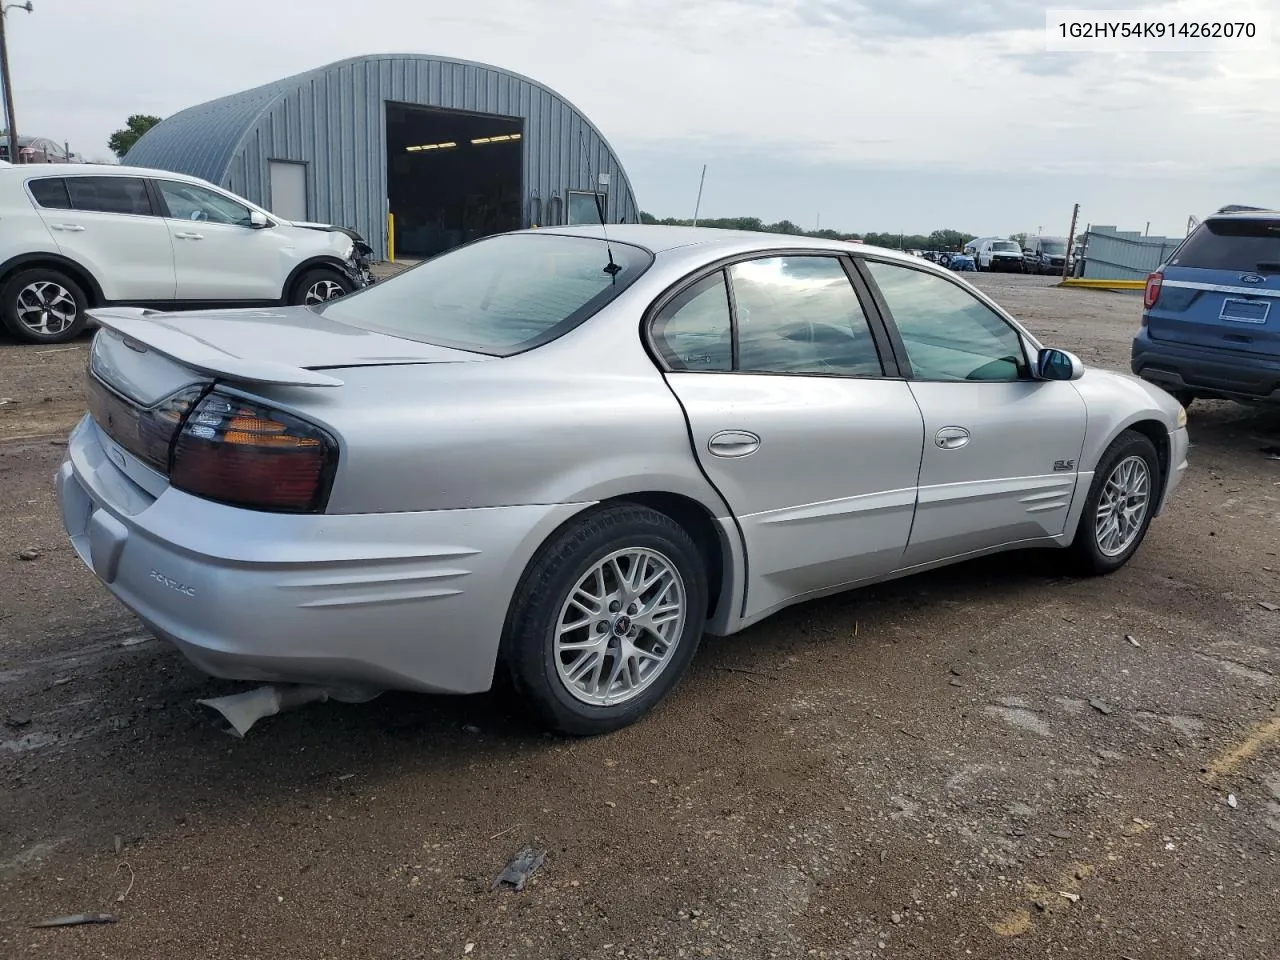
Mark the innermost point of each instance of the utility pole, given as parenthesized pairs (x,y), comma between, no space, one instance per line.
(1071,239)
(8,83)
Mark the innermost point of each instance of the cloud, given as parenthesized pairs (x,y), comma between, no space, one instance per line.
(913,89)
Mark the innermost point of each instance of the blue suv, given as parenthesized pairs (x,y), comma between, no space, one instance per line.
(1211,318)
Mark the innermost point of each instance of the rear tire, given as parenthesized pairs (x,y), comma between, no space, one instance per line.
(319,286)
(576,618)
(42,305)
(1119,507)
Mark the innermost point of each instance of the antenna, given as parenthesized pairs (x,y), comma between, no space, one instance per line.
(611,268)
(698,205)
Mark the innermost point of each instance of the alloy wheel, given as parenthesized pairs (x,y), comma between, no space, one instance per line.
(1122,506)
(46,308)
(323,291)
(619,626)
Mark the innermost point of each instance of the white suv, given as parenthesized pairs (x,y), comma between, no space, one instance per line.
(76,236)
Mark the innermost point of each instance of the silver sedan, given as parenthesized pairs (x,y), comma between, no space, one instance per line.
(568,455)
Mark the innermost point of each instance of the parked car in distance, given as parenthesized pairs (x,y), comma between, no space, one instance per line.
(568,455)
(1045,255)
(961,262)
(77,236)
(995,254)
(1211,317)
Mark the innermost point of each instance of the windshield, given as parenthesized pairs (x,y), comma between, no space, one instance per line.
(1053,248)
(498,296)
(1003,245)
(1235,244)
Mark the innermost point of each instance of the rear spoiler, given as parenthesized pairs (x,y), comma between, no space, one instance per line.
(141,333)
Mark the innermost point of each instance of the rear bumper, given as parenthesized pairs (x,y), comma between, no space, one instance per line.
(1206,371)
(412,601)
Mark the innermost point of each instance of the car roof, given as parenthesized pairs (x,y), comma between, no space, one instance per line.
(661,238)
(29,171)
(1254,214)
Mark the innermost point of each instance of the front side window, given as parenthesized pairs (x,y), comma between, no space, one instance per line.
(186,201)
(800,314)
(949,334)
(110,195)
(498,296)
(693,331)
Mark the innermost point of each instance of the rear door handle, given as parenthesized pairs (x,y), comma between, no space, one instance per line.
(951,438)
(69,227)
(189,236)
(733,443)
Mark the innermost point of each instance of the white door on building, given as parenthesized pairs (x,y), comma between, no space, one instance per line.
(288,189)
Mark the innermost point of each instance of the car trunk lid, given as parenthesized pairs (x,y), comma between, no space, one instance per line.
(1221,289)
(148,369)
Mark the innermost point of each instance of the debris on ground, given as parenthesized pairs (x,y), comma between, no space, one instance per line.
(1102,707)
(1073,897)
(1273,607)
(29,554)
(76,919)
(1232,802)
(521,867)
(1132,640)
(17,720)
(1272,453)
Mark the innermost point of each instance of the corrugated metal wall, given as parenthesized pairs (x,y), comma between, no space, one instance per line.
(333,119)
(1111,254)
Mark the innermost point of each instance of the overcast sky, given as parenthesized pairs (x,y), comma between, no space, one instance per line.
(870,114)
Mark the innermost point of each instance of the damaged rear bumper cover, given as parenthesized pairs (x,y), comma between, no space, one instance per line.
(409,601)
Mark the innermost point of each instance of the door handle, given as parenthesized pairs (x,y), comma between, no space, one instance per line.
(189,236)
(733,443)
(951,438)
(69,227)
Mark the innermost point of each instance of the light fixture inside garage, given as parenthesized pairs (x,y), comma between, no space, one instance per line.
(431,146)
(500,138)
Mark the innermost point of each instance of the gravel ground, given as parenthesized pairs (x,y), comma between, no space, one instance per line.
(974,763)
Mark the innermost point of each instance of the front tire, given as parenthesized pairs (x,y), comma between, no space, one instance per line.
(1119,506)
(319,286)
(42,305)
(606,619)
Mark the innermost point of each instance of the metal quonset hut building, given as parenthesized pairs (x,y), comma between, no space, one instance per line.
(451,149)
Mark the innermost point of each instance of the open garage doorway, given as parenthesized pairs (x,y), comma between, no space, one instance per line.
(451,177)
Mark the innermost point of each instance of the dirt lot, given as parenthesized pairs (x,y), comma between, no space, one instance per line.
(977,763)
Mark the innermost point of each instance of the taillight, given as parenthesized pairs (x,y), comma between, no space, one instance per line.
(1152,292)
(245,454)
(146,432)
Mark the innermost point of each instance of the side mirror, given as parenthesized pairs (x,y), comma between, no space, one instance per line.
(258,220)
(1058,365)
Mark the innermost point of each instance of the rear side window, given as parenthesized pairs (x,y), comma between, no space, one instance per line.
(110,195)
(50,192)
(694,330)
(1237,244)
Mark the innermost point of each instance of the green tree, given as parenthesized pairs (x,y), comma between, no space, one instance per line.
(122,141)
(937,240)
(1020,239)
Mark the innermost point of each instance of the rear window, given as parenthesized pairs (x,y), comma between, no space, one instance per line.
(498,296)
(1006,246)
(1232,244)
